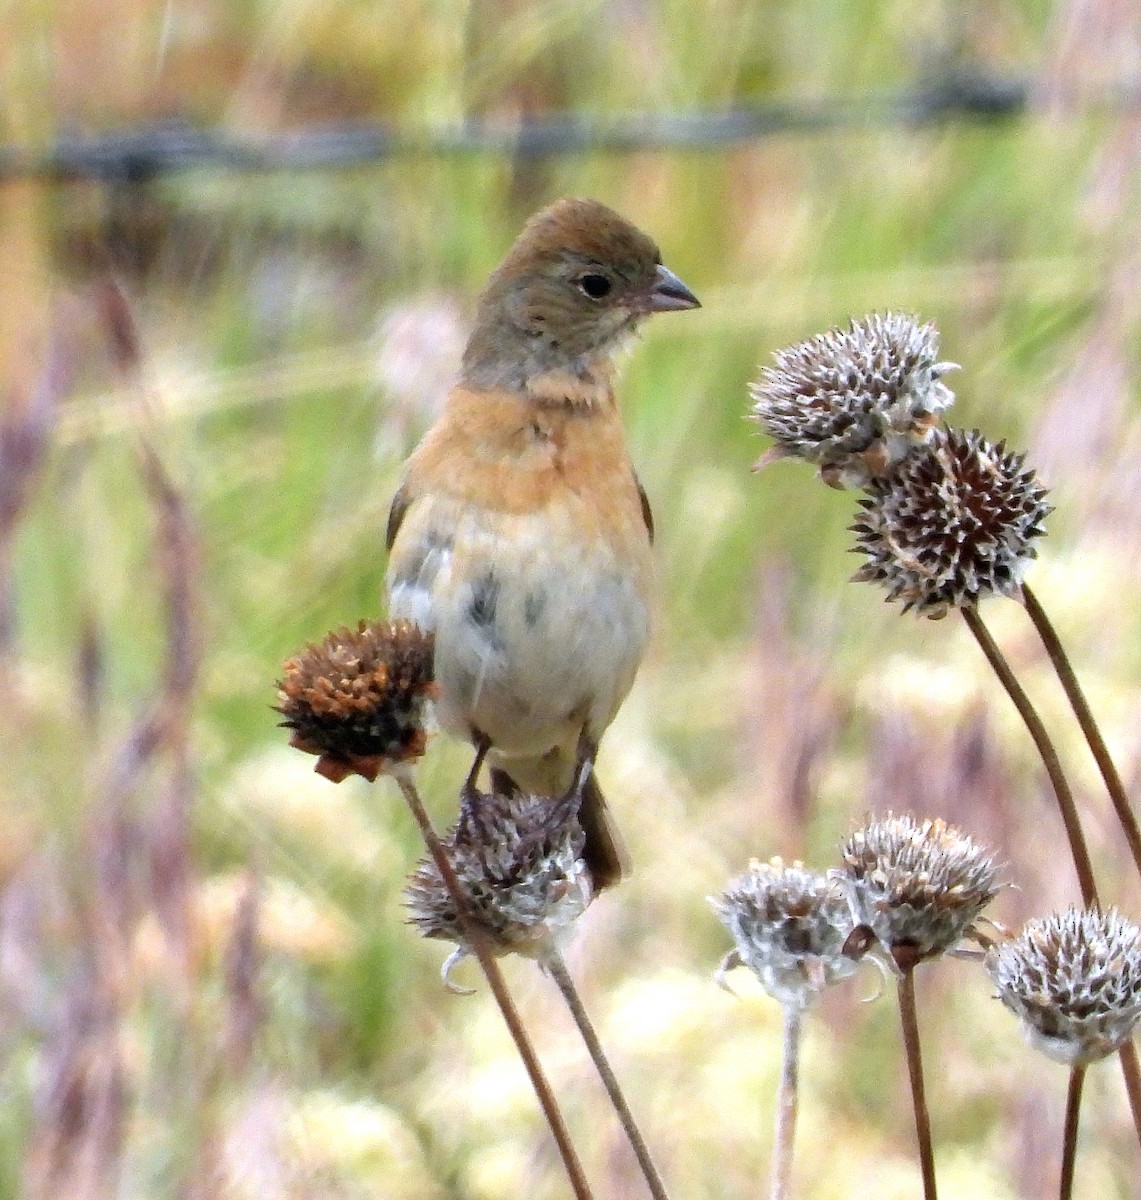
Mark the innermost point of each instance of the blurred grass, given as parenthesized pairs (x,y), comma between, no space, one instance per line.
(282,407)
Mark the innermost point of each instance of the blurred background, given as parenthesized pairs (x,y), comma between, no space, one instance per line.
(239,244)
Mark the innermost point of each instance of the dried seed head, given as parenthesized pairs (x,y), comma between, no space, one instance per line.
(360,699)
(854,401)
(1073,979)
(918,886)
(519,861)
(790,926)
(953,524)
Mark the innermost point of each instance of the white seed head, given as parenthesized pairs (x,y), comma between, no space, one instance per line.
(1073,979)
(519,861)
(918,885)
(855,401)
(789,926)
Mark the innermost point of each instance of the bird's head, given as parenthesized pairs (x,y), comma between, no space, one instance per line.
(571,289)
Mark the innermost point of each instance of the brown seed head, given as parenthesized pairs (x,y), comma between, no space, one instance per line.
(790,926)
(360,699)
(919,886)
(518,858)
(956,522)
(854,401)
(1073,979)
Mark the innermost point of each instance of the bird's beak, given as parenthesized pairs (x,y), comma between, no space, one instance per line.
(669,294)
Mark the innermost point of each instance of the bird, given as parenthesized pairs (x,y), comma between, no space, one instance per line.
(519,533)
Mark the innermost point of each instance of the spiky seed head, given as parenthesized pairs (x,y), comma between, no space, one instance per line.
(789,925)
(1073,979)
(854,401)
(360,699)
(955,523)
(519,861)
(918,885)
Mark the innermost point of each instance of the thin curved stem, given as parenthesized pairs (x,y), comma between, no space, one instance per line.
(786,1105)
(553,962)
(1070,1132)
(1085,719)
(499,990)
(1049,755)
(910,1021)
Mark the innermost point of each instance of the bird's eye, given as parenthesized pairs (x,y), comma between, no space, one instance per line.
(595,286)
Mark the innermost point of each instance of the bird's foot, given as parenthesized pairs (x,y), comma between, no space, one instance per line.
(482,743)
(571,799)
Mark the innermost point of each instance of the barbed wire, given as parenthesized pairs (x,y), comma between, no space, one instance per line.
(144,153)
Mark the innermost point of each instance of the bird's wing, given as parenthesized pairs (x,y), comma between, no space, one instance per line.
(647,511)
(400,503)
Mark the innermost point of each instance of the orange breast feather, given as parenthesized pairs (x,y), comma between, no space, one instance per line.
(499,452)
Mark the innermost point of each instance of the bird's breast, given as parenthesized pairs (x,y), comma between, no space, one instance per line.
(534,569)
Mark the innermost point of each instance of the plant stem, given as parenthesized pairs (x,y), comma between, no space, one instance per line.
(786,1104)
(1085,718)
(1131,1070)
(910,1022)
(1070,1132)
(553,962)
(1046,749)
(495,980)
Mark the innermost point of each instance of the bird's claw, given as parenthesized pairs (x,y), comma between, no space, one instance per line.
(470,790)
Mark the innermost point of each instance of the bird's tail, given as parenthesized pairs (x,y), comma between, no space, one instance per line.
(605,853)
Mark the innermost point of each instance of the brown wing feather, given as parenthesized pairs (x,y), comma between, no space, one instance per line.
(400,503)
(647,511)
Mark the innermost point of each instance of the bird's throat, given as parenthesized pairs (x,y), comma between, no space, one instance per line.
(539,374)
(591,388)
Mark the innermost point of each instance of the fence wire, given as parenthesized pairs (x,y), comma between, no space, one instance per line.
(147,152)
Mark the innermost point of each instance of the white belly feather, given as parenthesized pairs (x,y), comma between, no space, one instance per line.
(533,643)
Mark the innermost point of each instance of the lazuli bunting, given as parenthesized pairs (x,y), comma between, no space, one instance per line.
(520,534)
